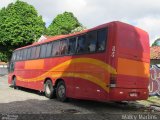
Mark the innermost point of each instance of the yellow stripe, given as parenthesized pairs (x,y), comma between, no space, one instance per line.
(88,77)
(78,75)
(99,63)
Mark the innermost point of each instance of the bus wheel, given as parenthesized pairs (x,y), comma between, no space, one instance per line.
(61,91)
(49,89)
(14,83)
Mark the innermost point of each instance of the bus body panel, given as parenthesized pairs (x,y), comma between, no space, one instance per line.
(132,43)
(131,62)
(125,94)
(76,87)
(88,76)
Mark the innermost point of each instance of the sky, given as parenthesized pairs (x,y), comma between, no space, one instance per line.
(144,14)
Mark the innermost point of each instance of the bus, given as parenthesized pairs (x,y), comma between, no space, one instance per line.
(109,62)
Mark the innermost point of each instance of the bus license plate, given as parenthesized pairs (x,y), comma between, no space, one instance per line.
(133,94)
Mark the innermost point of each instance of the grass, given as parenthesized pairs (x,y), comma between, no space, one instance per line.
(153,100)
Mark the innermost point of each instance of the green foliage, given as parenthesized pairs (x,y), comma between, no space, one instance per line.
(3,57)
(20,25)
(156,42)
(78,29)
(153,44)
(63,24)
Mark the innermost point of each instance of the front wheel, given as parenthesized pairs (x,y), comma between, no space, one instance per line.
(61,91)
(49,89)
(14,83)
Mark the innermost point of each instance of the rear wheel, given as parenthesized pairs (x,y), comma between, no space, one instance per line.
(61,91)
(49,89)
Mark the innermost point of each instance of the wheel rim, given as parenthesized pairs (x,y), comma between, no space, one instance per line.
(14,82)
(48,91)
(61,91)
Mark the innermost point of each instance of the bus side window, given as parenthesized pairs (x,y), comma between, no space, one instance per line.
(33,52)
(92,41)
(24,54)
(28,53)
(55,48)
(18,55)
(21,54)
(102,34)
(72,46)
(14,56)
(43,51)
(81,44)
(49,49)
(37,52)
(63,47)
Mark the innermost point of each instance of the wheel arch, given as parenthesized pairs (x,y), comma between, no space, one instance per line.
(57,81)
(13,76)
(48,78)
(54,83)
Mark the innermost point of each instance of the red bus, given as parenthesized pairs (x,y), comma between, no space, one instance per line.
(107,63)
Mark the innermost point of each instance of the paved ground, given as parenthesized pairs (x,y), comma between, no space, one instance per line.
(24,101)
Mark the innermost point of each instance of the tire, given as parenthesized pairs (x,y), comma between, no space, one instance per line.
(14,83)
(49,90)
(61,91)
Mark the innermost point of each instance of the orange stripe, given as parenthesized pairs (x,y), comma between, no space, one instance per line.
(132,67)
(84,76)
(34,64)
(74,68)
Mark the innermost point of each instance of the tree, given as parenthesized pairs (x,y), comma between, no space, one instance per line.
(156,42)
(20,25)
(78,29)
(63,24)
(3,56)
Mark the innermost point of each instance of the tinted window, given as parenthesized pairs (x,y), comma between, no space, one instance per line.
(14,56)
(91,41)
(63,47)
(28,53)
(72,46)
(55,48)
(43,50)
(49,48)
(33,52)
(81,44)
(25,54)
(18,55)
(102,34)
(37,52)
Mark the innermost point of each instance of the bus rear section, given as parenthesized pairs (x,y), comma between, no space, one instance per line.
(131,60)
